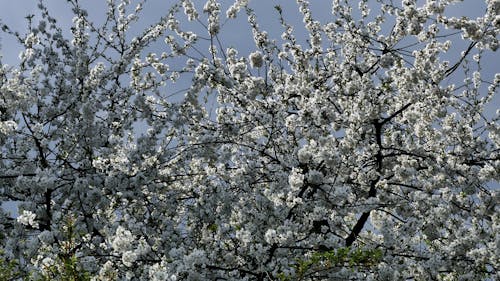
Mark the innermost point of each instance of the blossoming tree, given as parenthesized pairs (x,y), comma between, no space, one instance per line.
(365,153)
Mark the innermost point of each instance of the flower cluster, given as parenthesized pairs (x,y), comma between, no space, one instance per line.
(363,149)
(27,218)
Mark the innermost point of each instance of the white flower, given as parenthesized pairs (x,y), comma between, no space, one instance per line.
(296,179)
(107,270)
(238,70)
(7,127)
(26,54)
(123,239)
(304,154)
(28,218)
(212,8)
(196,257)
(235,8)
(189,10)
(256,59)
(244,236)
(270,236)
(47,262)
(31,40)
(128,258)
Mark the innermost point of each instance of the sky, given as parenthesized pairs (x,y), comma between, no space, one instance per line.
(234,32)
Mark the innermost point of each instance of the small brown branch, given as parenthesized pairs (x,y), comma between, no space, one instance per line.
(385,120)
(452,69)
(357,229)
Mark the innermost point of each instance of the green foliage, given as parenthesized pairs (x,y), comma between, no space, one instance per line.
(66,266)
(341,257)
(213,227)
(9,269)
